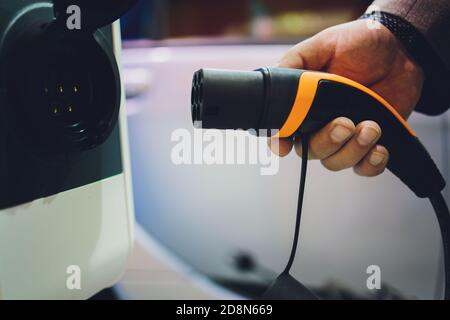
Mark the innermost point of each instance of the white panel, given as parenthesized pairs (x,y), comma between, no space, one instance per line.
(87,226)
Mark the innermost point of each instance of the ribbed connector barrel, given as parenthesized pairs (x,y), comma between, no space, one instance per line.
(230,99)
(224,99)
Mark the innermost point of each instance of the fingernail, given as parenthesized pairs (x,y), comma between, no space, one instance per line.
(376,158)
(340,134)
(367,135)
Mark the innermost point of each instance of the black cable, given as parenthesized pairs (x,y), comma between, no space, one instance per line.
(443,217)
(305,143)
(437,201)
(445,143)
(285,286)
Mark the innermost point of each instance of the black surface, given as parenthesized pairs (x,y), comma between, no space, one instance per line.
(408,159)
(29,171)
(261,99)
(286,287)
(443,216)
(227,99)
(107,294)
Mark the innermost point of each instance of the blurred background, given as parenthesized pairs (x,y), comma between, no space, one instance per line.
(225,231)
(246,20)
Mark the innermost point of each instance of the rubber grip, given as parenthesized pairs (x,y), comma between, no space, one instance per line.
(408,159)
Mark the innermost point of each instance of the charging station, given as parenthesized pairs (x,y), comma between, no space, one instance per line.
(66,211)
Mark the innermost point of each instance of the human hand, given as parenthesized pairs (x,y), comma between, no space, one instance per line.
(372,57)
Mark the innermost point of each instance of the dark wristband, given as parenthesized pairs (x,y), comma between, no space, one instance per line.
(435,98)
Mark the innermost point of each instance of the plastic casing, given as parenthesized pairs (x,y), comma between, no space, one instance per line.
(90,227)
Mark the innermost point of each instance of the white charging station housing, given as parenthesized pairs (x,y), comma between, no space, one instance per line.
(73,244)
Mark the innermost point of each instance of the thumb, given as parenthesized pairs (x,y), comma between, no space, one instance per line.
(312,54)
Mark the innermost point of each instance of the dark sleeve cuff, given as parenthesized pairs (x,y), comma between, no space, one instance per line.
(435,98)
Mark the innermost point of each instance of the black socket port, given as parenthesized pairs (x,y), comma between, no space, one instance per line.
(60,96)
(197,97)
(64,89)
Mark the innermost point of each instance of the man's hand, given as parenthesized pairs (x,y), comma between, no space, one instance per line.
(372,57)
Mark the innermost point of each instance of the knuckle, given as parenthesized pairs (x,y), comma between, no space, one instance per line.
(375,172)
(365,170)
(349,160)
(359,170)
(318,148)
(331,165)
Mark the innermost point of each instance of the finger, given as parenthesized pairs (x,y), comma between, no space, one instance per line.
(280,147)
(329,139)
(374,163)
(367,134)
(312,54)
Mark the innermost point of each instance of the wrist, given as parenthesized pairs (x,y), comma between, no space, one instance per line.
(392,43)
(406,34)
(435,98)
